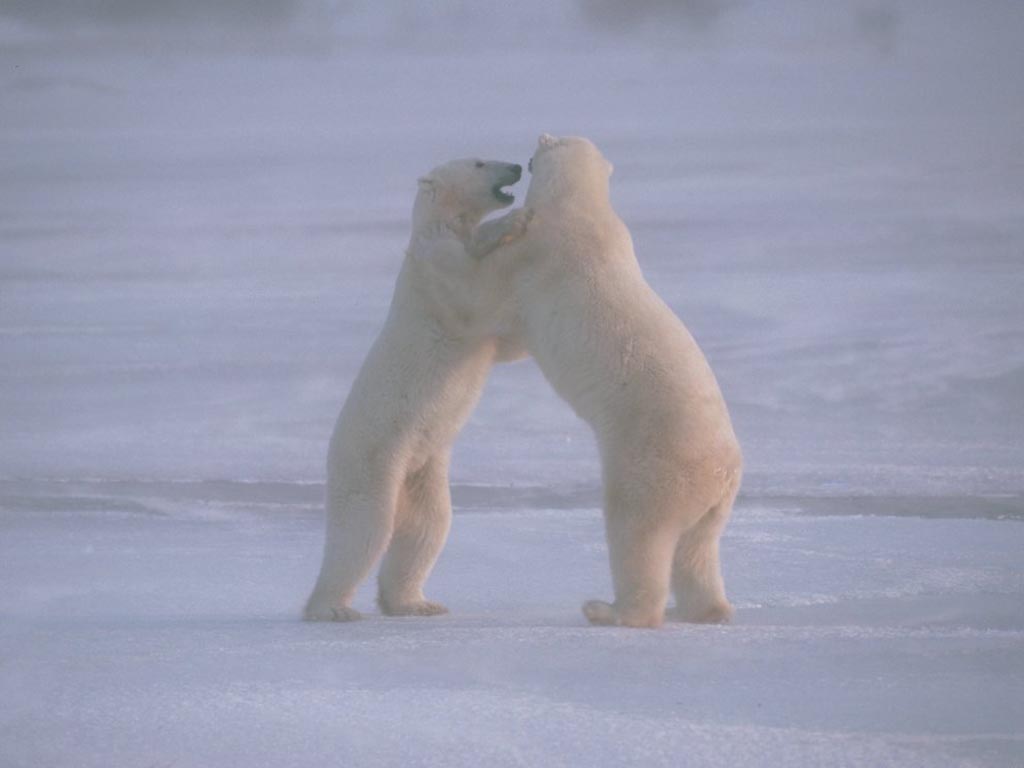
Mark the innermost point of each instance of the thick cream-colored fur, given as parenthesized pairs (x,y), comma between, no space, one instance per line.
(387,468)
(626,364)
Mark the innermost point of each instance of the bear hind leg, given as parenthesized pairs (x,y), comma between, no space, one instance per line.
(421,528)
(359,527)
(640,548)
(696,570)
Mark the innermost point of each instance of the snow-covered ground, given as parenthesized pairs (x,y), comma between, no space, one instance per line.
(198,237)
(167,635)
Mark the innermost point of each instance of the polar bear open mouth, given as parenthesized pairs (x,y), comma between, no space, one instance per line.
(505,197)
(510,174)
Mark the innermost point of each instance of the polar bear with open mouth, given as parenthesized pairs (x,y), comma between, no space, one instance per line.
(387,469)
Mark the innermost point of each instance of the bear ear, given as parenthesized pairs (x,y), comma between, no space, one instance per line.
(547,140)
(426,184)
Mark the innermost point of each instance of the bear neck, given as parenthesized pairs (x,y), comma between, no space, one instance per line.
(563,189)
(429,220)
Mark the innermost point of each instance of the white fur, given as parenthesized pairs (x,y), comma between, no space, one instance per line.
(626,364)
(387,468)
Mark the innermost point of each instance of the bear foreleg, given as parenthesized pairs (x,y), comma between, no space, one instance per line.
(496,233)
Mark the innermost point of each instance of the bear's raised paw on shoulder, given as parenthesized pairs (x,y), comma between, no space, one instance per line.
(517,224)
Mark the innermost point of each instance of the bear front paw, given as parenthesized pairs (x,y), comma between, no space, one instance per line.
(518,223)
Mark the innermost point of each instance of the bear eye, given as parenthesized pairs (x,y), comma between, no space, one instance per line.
(529,165)
(479,163)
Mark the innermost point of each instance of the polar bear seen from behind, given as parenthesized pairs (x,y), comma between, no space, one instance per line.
(387,472)
(613,349)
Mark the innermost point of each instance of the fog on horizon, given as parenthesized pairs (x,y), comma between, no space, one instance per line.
(885,26)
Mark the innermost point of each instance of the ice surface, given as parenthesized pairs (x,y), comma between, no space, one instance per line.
(200,224)
(167,635)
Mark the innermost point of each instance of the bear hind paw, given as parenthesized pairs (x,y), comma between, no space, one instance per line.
(719,613)
(600,613)
(337,613)
(415,608)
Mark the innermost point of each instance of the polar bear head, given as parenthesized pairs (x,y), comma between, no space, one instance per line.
(570,166)
(460,193)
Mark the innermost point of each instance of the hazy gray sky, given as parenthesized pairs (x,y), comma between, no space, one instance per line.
(884,26)
(71,13)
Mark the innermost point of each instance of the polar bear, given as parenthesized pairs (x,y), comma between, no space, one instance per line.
(387,468)
(606,342)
